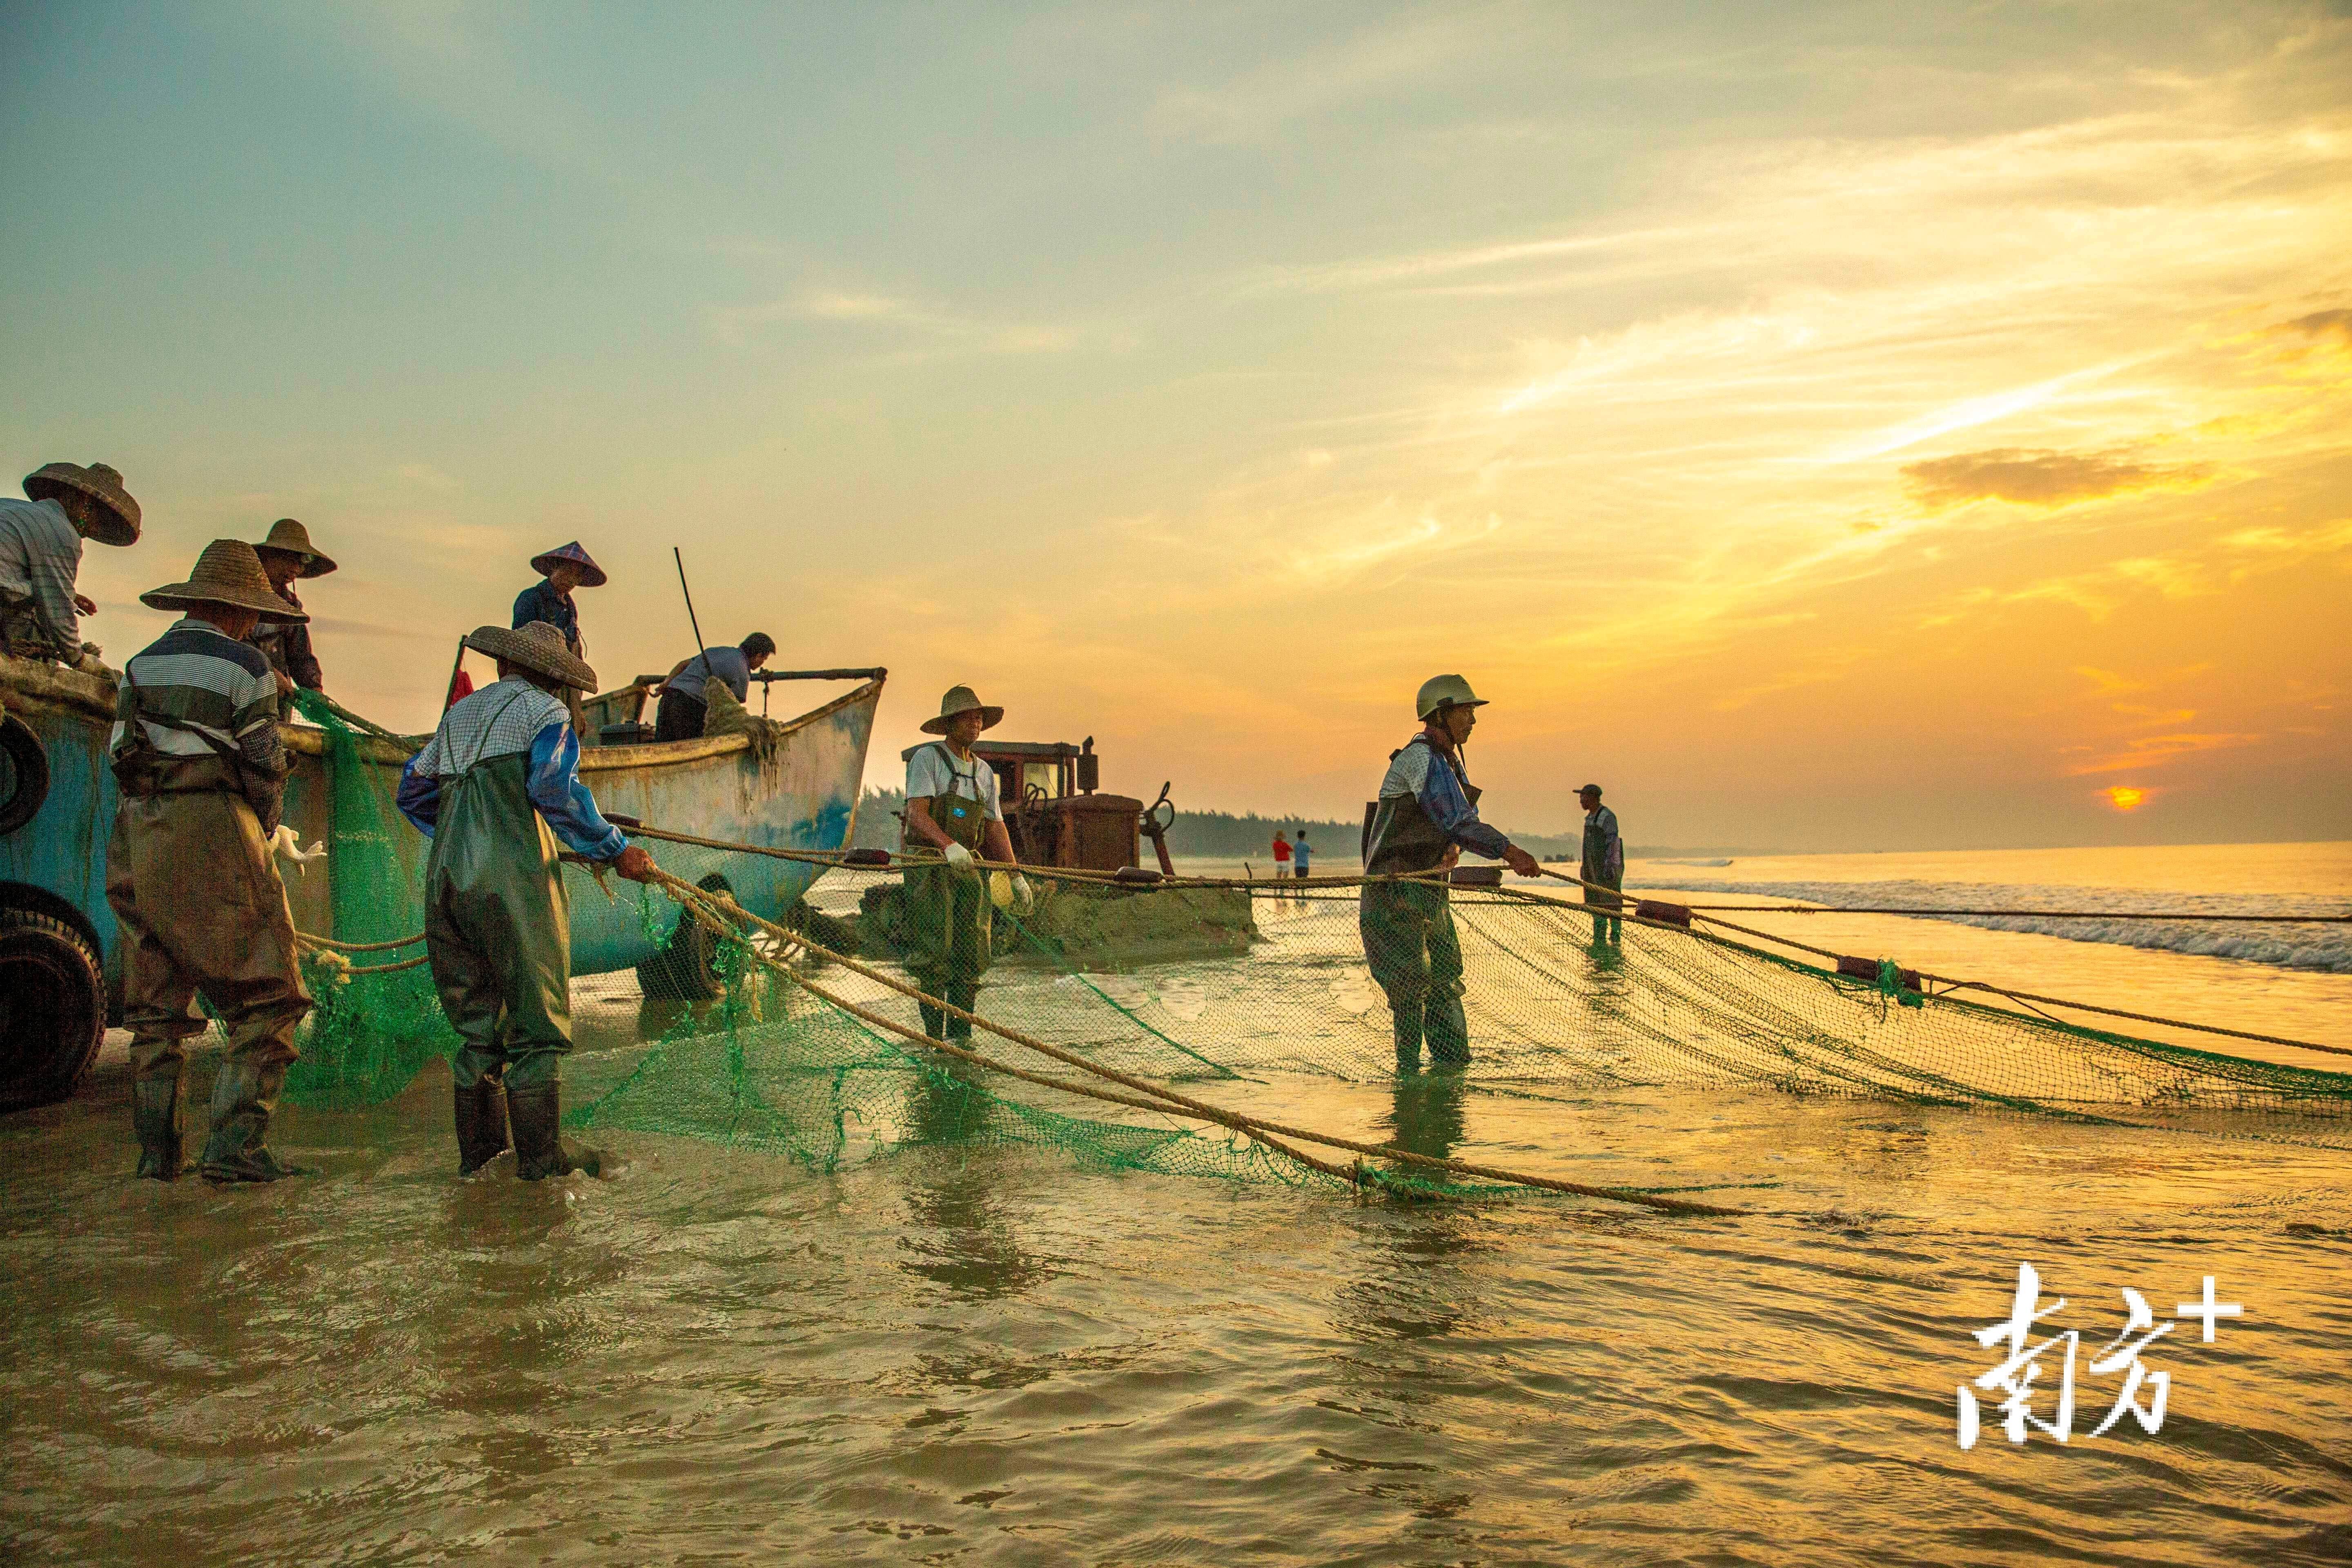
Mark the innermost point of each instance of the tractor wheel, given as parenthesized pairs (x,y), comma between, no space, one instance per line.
(24,774)
(52,1008)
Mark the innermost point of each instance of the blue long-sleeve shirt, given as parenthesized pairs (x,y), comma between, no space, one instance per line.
(490,723)
(1420,772)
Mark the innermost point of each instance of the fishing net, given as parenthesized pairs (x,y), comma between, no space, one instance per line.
(735,1034)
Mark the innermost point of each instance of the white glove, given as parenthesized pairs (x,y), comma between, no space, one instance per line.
(1021,891)
(958,859)
(1000,890)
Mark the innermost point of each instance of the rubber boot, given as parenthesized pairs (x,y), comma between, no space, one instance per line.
(935,1023)
(964,994)
(481,1116)
(242,1097)
(1448,1031)
(1408,1038)
(155,1116)
(540,1151)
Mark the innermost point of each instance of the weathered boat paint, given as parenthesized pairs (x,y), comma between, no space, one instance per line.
(804,795)
(58,861)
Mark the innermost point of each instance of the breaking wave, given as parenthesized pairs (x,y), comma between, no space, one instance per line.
(2324,949)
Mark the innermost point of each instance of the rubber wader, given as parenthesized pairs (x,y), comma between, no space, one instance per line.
(201,911)
(1410,941)
(497,931)
(949,937)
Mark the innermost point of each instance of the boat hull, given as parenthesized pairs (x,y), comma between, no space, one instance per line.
(800,794)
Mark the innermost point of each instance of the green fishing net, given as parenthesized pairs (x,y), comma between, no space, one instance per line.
(1218,991)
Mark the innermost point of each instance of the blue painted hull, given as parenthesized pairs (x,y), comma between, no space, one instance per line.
(58,861)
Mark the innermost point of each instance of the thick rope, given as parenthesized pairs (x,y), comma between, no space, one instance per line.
(729,915)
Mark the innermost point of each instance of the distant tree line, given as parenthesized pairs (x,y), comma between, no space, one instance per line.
(1220,834)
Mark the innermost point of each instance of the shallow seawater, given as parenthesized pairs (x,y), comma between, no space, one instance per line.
(974,1353)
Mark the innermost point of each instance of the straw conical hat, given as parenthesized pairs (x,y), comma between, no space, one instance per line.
(289,537)
(962,700)
(102,485)
(227,573)
(537,647)
(590,575)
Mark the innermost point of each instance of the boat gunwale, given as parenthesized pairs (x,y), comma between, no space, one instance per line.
(311,741)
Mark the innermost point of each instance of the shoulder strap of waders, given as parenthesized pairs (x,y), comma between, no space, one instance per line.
(490,725)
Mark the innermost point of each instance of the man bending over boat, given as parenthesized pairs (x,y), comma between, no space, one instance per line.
(1427,812)
(951,807)
(503,771)
(684,708)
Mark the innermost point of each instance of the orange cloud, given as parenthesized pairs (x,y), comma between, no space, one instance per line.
(2043,478)
(2154,751)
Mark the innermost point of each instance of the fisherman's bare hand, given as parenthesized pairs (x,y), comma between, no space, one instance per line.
(635,864)
(285,683)
(1522,862)
(85,604)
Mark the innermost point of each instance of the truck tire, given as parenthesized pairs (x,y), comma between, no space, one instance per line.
(24,774)
(52,1008)
(688,969)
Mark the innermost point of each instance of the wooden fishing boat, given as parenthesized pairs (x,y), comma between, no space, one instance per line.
(795,785)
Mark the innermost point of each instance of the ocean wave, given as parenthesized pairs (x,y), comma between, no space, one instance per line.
(2324,949)
(1690,862)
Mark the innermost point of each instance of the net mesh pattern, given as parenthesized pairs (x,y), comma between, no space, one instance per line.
(1210,989)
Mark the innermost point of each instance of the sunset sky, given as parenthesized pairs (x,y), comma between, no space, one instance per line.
(1835,426)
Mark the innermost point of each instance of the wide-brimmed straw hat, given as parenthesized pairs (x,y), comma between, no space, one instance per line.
(537,647)
(227,573)
(102,485)
(288,537)
(962,700)
(590,575)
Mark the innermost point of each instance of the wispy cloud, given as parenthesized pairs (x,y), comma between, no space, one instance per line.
(2043,478)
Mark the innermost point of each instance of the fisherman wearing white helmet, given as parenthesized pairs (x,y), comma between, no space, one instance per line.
(1427,811)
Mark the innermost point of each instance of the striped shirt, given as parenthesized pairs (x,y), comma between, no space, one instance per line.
(40,555)
(202,676)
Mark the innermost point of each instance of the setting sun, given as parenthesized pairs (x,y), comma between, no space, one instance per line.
(2123,797)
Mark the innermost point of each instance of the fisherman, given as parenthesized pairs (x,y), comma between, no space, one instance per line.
(41,558)
(952,806)
(1427,810)
(564,568)
(684,710)
(501,772)
(1281,865)
(286,556)
(1604,862)
(189,873)
(1301,855)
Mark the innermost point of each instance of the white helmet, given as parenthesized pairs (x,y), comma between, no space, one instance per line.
(1440,693)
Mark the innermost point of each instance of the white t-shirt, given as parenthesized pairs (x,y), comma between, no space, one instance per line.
(932,771)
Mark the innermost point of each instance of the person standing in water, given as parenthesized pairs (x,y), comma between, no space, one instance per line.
(951,807)
(500,772)
(196,755)
(1427,810)
(1604,862)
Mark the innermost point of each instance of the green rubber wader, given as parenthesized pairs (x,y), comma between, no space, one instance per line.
(950,935)
(1416,956)
(498,928)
